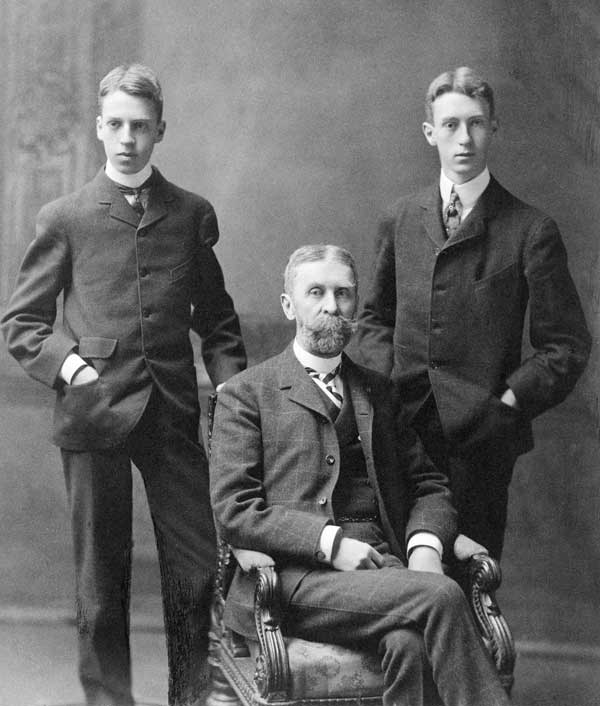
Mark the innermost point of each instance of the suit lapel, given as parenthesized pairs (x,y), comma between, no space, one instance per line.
(109,194)
(360,394)
(302,390)
(160,197)
(431,205)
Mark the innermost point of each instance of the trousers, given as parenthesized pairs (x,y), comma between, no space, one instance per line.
(420,623)
(173,465)
(479,480)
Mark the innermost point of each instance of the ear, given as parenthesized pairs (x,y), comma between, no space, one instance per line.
(288,306)
(429,132)
(160,131)
(98,126)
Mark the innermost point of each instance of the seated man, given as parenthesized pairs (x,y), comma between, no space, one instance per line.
(309,467)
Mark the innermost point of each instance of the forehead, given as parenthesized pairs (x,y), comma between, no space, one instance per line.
(327,273)
(458,105)
(119,104)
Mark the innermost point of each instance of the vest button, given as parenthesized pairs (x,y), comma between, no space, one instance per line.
(322,501)
(143,272)
(329,460)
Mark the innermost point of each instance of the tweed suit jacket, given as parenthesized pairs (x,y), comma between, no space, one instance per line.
(275,463)
(132,291)
(447,316)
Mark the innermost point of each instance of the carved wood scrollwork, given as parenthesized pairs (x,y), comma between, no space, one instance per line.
(272,675)
(485,576)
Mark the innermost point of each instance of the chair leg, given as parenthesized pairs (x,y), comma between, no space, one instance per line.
(220,691)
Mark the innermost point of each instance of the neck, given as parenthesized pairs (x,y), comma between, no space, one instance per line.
(131,180)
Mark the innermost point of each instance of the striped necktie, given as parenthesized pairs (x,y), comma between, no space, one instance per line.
(327,380)
(452,214)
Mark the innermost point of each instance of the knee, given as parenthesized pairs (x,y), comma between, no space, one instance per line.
(401,646)
(449,597)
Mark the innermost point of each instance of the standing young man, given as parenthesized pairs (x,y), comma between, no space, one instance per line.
(133,256)
(456,266)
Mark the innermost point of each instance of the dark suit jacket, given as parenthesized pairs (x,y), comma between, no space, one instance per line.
(275,463)
(448,316)
(128,290)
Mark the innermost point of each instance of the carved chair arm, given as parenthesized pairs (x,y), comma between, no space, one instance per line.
(484,578)
(272,676)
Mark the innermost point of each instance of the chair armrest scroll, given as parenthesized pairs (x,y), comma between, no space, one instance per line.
(484,578)
(272,676)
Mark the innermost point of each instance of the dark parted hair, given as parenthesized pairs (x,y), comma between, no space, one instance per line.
(135,79)
(461,80)
(316,253)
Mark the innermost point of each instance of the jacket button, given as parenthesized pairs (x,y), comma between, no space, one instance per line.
(434,365)
(320,555)
(329,460)
(322,501)
(143,272)
(145,313)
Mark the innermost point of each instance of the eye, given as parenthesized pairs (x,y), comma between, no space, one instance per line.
(315,291)
(450,125)
(113,123)
(140,127)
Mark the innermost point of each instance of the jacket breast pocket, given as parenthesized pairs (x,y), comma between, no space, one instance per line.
(97,350)
(180,271)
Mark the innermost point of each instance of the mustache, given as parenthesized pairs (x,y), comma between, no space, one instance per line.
(333,323)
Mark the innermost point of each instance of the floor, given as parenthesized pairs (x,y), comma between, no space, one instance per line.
(37,668)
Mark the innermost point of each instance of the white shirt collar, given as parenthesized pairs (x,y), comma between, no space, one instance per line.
(308,360)
(468,192)
(131,180)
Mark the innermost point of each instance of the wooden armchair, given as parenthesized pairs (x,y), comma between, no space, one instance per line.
(288,671)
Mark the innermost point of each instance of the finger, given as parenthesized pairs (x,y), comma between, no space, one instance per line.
(376,558)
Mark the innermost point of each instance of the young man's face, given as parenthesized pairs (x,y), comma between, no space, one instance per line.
(462,132)
(129,129)
(323,302)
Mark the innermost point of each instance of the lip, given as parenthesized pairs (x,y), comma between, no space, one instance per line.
(126,154)
(464,155)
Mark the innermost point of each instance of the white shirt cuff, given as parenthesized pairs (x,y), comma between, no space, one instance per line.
(326,541)
(71,364)
(424,539)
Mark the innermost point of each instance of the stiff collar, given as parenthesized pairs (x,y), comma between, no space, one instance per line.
(132,180)
(308,360)
(468,192)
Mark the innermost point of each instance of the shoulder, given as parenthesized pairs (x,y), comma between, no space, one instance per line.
(256,378)
(412,203)
(372,381)
(183,195)
(511,207)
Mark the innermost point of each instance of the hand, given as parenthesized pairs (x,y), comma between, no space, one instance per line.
(465,548)
(353,555)
(249,560)
(425,559)
(87,374)
(509,398)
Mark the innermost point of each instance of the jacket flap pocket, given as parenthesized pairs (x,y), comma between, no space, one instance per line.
(179,271)
(95,347)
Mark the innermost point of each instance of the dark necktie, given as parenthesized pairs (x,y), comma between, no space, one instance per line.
(139,195)
(452,214)
(327,380)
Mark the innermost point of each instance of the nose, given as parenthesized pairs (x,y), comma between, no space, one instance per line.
(329,302)
(464,134)
(126,135)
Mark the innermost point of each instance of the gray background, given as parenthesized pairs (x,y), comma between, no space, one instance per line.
(300,121)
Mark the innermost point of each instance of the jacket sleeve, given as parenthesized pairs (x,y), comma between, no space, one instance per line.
(242,514)
(375,336)
(557,327)
(430,501)
(28,324)
(214,318)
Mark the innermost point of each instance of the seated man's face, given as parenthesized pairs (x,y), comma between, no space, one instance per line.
(323,301)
